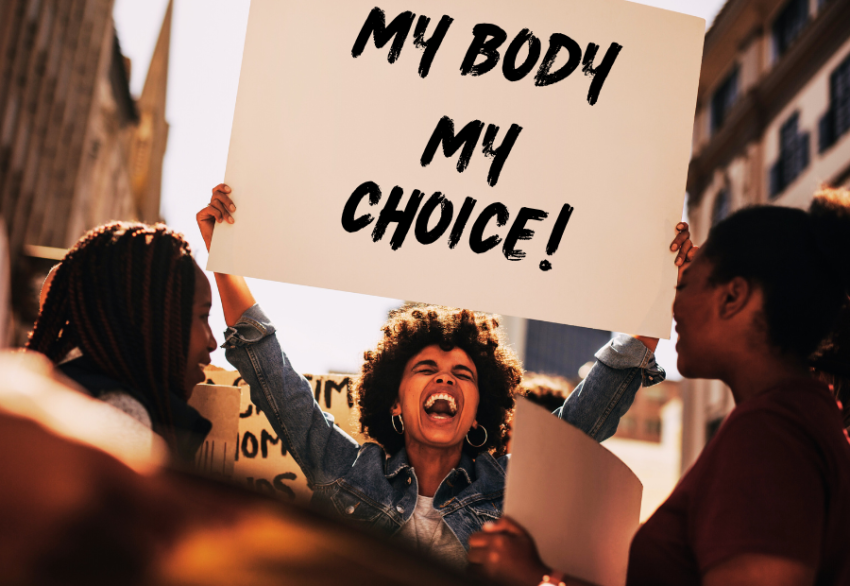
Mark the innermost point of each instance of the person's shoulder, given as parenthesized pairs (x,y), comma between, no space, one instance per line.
(489,463)
(373,449)
(800,417)
(806,403)
(372,453)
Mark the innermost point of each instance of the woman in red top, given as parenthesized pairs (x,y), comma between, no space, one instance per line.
(768,501)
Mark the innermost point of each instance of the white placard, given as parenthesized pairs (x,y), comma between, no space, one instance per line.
(580,503)
(332,133)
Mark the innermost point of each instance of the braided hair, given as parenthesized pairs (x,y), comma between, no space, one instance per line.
(123,294)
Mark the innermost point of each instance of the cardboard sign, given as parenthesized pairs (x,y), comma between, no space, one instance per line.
(524,158)
(580,503)
(260,460)
(220,405)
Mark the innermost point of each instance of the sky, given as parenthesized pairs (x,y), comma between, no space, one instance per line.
(320,330)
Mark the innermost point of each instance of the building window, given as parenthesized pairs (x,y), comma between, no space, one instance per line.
(722,207)
(836,121)
(789,24)
(723,99)
(793,156)
(712,427)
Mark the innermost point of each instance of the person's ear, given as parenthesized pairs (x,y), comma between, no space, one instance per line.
(735,297)
(396,408)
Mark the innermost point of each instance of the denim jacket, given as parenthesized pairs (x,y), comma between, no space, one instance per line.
(377,491)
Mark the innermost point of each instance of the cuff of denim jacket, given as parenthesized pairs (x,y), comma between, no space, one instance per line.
(251,327)
(627,352)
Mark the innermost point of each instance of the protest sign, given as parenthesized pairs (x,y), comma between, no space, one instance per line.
(524,158)
(220,405)
(579,502)
(260,460)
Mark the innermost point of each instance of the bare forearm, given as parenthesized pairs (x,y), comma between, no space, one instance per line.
(235,295)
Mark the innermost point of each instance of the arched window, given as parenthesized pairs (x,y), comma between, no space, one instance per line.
(722,206)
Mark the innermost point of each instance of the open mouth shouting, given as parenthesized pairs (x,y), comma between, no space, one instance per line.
(440,406)
(438,395)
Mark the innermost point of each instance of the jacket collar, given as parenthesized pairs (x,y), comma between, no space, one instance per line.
(396,463)
(489,472)
(484,468)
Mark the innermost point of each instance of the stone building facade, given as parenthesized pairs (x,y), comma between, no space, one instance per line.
(772,125)
(76,149)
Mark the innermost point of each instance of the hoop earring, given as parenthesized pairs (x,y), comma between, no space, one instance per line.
(482,443)
(395,427)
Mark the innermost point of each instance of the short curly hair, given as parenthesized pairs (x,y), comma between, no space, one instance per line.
(414,327)
(549,391)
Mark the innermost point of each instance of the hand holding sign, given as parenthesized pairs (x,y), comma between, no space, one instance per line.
(505,552)
(683,244)
(218,210)
(579,502)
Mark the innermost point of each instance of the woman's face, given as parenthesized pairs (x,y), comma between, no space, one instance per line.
(438,397)
(201,339)
(694,311)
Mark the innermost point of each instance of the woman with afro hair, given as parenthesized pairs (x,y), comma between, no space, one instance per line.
(435,397)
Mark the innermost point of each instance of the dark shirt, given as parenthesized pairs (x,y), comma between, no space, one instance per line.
(775,480)
(190,427)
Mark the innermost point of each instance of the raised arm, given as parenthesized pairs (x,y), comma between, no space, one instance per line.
(321,449)
(235,295)
(604,396)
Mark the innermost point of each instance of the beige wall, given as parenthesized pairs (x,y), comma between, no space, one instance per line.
(752,63)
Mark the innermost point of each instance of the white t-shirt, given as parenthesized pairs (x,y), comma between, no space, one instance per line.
(128,404)
(428,534)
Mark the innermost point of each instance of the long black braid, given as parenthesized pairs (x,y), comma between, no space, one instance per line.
(123,294)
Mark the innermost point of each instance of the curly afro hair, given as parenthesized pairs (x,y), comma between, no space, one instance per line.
(412,328)
(548,391)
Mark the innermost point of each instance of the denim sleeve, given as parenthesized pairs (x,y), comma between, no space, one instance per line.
(321,449)
(604,396)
